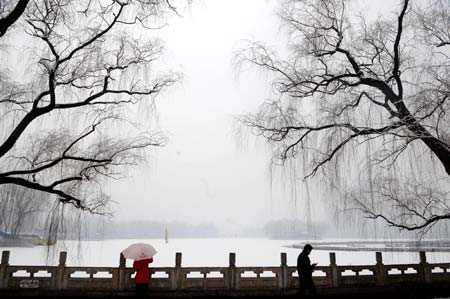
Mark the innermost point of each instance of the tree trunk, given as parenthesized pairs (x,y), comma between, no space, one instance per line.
(433,143)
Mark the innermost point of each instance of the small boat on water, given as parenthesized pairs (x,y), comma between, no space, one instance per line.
(23,240)
(41,241)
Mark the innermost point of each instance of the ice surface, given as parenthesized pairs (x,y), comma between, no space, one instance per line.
(202,252)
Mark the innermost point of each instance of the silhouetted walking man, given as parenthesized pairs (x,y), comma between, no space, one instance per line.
(305,269)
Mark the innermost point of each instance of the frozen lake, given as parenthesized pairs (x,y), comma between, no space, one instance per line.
(202,252)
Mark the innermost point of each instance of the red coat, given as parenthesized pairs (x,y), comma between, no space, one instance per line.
(142,273)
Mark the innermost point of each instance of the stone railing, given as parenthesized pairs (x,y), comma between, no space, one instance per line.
(220,280)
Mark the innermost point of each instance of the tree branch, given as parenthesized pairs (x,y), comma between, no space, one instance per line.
(13,16)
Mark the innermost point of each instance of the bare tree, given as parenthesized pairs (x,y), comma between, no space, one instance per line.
(10,12)
(74,76)
(21,208)
(364,102)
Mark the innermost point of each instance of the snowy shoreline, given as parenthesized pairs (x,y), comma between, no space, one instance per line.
(380,245)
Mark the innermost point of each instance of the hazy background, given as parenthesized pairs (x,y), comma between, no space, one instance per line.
(207,173)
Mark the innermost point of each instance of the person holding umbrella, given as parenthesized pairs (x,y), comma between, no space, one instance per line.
(142,277)
(142,254)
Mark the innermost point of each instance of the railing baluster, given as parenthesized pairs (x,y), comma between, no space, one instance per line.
(3,269)
(334,273)
(177,281)
(283,281)
(380,270)
(233,282)
(61,279)
(424,267)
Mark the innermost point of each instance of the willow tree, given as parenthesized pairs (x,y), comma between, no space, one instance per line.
(364,102)
(73,76)
(22,209)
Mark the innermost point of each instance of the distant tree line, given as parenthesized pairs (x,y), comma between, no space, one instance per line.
(294,229)
(156,229)
(276,229)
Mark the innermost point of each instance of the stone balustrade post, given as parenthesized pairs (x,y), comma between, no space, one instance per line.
(3,269)
(334,271)
(177,280)
(284,271)
(121,272)
(60,273)
(232,279)
(424,267)
(380,270)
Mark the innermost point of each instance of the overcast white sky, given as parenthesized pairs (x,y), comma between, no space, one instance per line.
(203,174)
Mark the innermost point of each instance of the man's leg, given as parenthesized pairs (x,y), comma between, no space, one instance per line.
(312,288)
(301,287)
